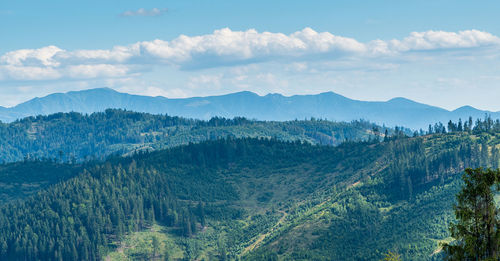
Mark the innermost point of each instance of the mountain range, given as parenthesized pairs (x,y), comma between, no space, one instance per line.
(275,107)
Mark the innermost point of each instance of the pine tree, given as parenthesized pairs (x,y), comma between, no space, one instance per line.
(459,127)
(476,231)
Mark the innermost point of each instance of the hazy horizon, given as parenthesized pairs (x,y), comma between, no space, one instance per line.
(259,94)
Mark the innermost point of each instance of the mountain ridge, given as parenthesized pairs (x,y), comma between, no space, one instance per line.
(397,111)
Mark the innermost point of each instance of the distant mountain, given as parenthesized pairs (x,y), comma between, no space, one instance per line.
(329,105)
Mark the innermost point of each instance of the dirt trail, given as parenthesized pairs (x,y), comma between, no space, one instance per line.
(437,250)
(263,236)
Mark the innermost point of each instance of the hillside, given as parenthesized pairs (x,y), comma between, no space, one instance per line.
(271,107)
(253,199)
(21,179)
(75,137)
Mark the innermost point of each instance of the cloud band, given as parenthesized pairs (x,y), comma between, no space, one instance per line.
(224,47)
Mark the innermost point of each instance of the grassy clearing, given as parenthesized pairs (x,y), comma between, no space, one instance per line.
(139,246)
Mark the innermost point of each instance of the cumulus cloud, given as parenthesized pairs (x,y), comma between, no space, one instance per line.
(225,47)
(432,40)
(86,71)
(32,57)
(145,12)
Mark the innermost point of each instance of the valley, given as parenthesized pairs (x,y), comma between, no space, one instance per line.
(246,198)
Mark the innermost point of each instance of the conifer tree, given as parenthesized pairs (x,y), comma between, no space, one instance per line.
(476,231)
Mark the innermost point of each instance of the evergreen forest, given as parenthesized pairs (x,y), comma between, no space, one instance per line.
(233,197)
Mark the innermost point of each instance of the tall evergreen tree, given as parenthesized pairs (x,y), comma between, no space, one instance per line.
(476,232)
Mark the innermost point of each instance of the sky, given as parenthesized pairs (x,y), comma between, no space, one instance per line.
(440,52)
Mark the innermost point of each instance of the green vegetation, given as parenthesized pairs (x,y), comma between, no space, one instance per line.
(181,188)
(155,242)
(21,179)
(390,256)
(403,206)
(249,199)
(476,231)
(73,137)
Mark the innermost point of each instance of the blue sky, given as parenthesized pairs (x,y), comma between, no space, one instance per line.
(444,53)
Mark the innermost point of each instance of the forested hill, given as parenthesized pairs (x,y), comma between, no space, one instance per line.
(271,107)
(74,136)
(254,199)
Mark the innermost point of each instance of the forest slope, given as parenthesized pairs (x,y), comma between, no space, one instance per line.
(75,137)
(254,199)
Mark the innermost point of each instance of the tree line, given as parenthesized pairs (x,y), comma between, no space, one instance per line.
(76,137)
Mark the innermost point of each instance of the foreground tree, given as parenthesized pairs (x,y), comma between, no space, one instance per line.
(476,231)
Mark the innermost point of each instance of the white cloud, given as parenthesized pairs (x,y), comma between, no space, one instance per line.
(32,57)
(432,40)
(145,12)
(28,73)
(119,54)
(97,71)
(225,47)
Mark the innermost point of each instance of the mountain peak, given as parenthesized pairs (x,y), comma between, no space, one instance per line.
(400,100)
(274,94)
(101,89)
(333,95)
(466,108)
(240,93)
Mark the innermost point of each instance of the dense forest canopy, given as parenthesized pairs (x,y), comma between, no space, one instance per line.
(79,137)
(223,196)
(252,199)
(21,179)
